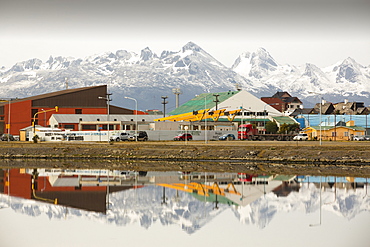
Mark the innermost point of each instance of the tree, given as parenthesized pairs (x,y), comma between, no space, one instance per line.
(288,128)
(271,128)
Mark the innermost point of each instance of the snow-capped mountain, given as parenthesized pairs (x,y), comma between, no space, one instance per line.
(148,76)
(344,80)
(145,76)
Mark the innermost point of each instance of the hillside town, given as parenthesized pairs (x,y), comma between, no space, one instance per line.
(85,114)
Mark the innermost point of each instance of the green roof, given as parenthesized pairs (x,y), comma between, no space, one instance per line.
(202,101)
(284,120)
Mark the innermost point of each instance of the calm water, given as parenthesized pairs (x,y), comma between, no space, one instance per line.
(44,207)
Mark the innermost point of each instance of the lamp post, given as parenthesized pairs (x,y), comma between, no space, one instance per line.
(44,117)
(108,99)
(164,102)
(321,100)
(135,116)
(8,125)
(205,120)
(56,108)
(320,201)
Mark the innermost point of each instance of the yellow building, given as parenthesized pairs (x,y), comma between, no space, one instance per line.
(335,133)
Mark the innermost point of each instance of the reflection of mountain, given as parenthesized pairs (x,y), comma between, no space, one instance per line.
(145,206)
(346,203)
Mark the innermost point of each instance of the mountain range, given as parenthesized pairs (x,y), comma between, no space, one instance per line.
(148,76)
(145,208)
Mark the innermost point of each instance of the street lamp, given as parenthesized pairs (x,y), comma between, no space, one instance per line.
(164,102)
(135,116)
(320,200)
(108,99)
(205,120)
(321,100)
(56,108)
(8,125)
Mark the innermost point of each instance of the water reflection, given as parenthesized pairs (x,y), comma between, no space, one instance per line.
(189,200)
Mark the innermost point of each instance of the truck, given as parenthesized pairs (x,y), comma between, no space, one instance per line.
(248,132)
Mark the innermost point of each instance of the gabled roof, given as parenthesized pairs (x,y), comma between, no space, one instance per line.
(281,95)
(231,100)
(326,108)
(291,100)
(203,101)
(298,112)
(284,120)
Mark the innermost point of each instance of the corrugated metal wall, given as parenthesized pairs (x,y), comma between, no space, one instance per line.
(83,98)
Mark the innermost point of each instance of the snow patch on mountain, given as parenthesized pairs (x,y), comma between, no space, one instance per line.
(147,76)
(345,79)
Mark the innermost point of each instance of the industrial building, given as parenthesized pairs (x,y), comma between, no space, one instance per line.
(16,114)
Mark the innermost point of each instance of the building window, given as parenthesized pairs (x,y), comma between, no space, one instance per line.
(333,134)
(78,111)
(345,133)
(69,126)
(88,127)
(105,127)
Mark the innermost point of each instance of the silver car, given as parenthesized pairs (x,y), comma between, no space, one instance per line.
(301,137)
(359,138)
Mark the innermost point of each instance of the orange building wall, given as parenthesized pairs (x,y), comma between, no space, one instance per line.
(21,115)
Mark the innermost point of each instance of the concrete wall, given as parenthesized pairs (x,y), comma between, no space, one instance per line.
(154,135)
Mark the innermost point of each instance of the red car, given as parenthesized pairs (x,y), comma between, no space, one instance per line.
(183,137)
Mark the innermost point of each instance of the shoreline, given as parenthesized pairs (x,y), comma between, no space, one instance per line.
(220,156)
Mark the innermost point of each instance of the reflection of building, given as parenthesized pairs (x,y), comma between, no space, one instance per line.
(84,189)
(234,189)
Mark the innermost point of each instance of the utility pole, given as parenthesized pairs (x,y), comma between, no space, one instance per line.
(216,100)
(108,99)
(164,102)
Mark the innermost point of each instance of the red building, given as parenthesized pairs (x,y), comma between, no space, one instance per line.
(20,113)
(283,102)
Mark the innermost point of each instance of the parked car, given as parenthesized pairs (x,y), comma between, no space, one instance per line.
(142,136)
(4,137)
(228,137)
(367,138)
(122,137)
(359,138)
(301,137)
(183,137)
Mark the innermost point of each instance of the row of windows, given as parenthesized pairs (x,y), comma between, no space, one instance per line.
(249,113)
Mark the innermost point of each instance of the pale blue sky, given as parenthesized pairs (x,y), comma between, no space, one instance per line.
(295,32)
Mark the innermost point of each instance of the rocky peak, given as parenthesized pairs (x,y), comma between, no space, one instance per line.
(191,46)
(147,54)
